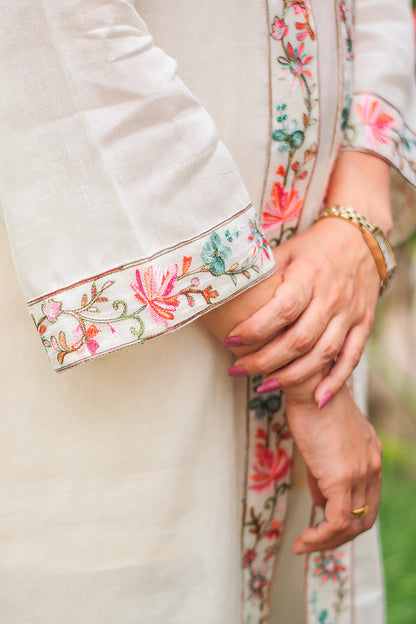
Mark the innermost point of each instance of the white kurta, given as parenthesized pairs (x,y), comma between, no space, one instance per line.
(122,479)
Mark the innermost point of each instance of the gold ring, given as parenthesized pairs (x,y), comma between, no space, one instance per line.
(360,512)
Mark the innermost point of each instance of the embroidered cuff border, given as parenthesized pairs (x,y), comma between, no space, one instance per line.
(375,126)
(140,300)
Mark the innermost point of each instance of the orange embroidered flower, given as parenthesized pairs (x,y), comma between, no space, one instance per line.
(275,530)
(377,122)
(270,467)
(156,292)
(286,205)
(329,565)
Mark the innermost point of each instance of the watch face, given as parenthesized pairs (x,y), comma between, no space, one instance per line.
(386,251)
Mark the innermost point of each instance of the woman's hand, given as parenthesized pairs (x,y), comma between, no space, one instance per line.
(324,309)
(343,457)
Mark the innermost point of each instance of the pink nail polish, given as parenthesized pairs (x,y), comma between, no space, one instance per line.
(324,400)
(233,341)
(269,386)
(237,371)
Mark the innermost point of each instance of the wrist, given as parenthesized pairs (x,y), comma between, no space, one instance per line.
(373,236)
(362,181)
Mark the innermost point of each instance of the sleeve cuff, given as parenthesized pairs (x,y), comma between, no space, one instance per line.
(375,126)
(144,299)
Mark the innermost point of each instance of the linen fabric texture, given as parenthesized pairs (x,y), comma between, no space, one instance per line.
(127,218)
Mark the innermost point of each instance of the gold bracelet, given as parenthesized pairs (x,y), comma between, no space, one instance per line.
(373,236)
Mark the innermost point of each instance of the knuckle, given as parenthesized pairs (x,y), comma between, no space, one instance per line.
(260,364)
(376,467)
(289,310)
(341,524)
(331,350)
(253,334)
(303,341)
(347,475)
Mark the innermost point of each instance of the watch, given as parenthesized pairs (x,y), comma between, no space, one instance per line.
(373,236)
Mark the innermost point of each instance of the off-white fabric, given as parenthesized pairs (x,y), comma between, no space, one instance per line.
(121,480)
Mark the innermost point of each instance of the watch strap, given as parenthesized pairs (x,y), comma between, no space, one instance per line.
(374,237)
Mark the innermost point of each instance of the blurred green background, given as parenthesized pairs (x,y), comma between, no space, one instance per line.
(392,404)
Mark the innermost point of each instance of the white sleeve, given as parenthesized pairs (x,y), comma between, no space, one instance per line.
(126,215)
(382,117)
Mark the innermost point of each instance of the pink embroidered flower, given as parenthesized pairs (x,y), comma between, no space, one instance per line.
(414,21)
(377,122)
(270,467)
(86,337)
(52,309)
(156,292)
(302,6)
(112,329)
(286,205)
(329,565)
(279,29)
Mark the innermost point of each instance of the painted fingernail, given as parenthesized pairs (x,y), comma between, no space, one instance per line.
(237,371)
(233,341)
(269,386)
(324,400)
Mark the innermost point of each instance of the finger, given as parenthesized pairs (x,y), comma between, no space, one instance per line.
(333,528)
(347,360)
(288,303)
(362,495)
(301,351)
(322,354)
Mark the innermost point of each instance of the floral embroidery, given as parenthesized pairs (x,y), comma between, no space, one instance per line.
(215,253)
(284,206)
(346,32)
(156,292)
(377,122)
(329,584)
(268,479)
(279,29)
(295,60)
(261,245)
(347,19)
(270,467)
(51,309)
(293,135)
(376,126)
(329,565)
(144,299)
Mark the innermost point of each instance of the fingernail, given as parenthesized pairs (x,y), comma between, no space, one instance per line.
(237,371)
(233,341)
(324,400)
(269,386)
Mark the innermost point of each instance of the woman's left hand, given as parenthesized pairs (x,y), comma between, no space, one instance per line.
(343,457)
(324,309)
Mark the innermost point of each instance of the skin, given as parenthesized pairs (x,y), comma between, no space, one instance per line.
(324,297)
(339,446)
(327,300)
